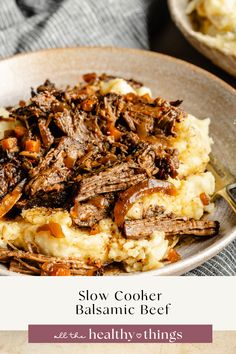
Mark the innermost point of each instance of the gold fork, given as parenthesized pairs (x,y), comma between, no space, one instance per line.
(225,182)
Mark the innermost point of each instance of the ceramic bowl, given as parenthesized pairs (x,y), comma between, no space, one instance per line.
(204,95)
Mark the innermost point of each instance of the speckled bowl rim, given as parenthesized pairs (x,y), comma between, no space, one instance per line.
(140,52)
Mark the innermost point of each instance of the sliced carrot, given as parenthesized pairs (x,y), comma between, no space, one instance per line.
(130,96)
(32,145)
(90,77)
(60,271)
(204,198)
(74,211)
(55,269)
(22,103)
(20,131)
(54,228)
(9,144)
(95,229)
(69,161)
(173,256)
(147,97)
(88,105)
(113,131)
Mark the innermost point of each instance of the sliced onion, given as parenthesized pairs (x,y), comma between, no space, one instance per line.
(11,199)
(132,194)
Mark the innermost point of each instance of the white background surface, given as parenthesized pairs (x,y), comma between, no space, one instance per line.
(52,300)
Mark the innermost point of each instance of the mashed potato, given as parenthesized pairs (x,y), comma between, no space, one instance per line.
(193,144)
(108,245)
(4,125)
(120,86)
(187,202)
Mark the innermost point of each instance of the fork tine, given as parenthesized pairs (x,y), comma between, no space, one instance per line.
(222,175)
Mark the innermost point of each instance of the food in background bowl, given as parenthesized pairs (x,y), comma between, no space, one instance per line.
(217,20)
(201,22)
(101,176)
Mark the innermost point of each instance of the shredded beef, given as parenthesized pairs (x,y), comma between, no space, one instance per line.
(44,101)
(94,155)
(53,171)
(10,175)
(59,197)
(114,179)
(137,229)
(47,86)
(46,135)
(88,213)
(78,149)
